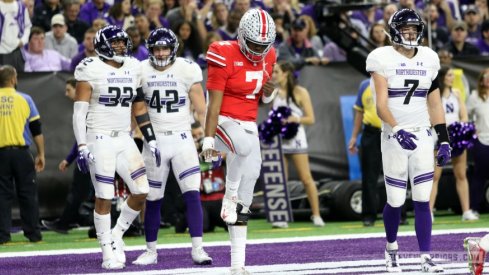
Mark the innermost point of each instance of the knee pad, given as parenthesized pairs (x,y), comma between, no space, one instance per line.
(234,138)
(243,216)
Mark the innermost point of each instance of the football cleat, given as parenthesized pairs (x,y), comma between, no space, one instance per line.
(200,257)
(392,261)
(228,210)
(147,258)
(240,271)
(476,255)
(118,248)
(427,266)
(112,263)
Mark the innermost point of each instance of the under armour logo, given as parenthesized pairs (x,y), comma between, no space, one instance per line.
(183,135)
(403,64)
(419,63)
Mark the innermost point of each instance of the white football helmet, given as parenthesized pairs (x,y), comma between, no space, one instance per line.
(256,26)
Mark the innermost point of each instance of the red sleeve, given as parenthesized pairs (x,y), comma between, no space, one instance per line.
(217,72)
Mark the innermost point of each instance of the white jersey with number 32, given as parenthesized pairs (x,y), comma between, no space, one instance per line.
(113,91)
(166,94)
(408,83)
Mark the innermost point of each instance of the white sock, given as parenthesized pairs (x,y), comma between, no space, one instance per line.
(124,221)
(484,242)
(231,188)
(102,227)
(424,256)
(392,246)
(237,234)
(196,242)
(151,246)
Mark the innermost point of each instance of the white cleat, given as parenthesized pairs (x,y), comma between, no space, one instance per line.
(392,261)
(240,271)
(118,248)
(469,215)
(147,258)
(112,263)
(427,266)
(317,221)
(200,257)
(228,210)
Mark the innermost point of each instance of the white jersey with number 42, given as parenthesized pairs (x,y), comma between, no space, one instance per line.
(113,91)
(166,94)
(408,83)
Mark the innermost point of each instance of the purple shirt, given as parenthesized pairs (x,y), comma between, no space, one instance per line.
(141,53)
(76,60)
(48,61)
(89,12)
(483,47)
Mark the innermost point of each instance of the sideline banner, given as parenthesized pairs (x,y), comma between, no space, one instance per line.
(276,195)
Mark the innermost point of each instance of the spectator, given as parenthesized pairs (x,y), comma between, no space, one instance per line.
(44,12)
(478,110)
(388,11)
(93,10)
(219,16)
(458,46)
(39,59)
(295,149)
(446,10)
(99,23)
(230,30)
(81,187)
(14,32)
(211,37)
(138,50)
(169,5)
(460,82)
(76,27)
(378,35)
(29,5)
(371,156)
(120,14)
(192,45)
(88,49)
(57,39)
(473,20)
(482,7)
(298,49)
(187,11)
(154,10)
(439,35)
(455,111)
(18,167)
(142,24)
(284,8)
(483,43)
(311,30)
(282,33)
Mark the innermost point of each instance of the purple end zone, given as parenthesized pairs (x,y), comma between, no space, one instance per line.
(257,254)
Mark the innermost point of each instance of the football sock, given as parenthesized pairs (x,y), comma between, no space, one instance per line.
(152,219)
(102,227)
(196,242)
(392,246)
(237,234)
(195,217)
(124,221)
(151,246)
(392,218)
(233,175)
(484,242)
(422,225)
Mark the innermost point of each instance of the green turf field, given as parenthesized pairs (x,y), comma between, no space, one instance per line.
(258,229)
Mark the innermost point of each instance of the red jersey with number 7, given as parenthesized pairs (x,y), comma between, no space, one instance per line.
(241,80)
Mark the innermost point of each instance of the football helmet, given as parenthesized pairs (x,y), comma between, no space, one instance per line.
(400,19)
(103,40)
(162,37)
(256,26)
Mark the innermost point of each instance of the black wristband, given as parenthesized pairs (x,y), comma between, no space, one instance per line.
(148,132)
(442,133)
(142,118)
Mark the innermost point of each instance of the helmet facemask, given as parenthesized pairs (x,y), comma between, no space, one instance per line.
(405,18)
(170,58)
(163,38)
(103,43)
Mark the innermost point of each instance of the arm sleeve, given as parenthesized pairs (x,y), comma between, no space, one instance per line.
(139,95)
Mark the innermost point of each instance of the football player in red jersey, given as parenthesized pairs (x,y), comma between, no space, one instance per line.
(239,74)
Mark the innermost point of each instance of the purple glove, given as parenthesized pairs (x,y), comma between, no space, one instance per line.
(153,146)
(444,154)
(405,139)
(84,159)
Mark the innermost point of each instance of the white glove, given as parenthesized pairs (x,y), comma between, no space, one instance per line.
(208,150)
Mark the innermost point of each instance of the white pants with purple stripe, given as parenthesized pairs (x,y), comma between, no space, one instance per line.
(400,165)
(178,151)
(116,154)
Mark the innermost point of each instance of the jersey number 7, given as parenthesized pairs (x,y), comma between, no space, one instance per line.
(411,91)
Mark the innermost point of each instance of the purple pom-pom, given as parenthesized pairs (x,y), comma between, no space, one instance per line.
(273,125)
(462,136)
